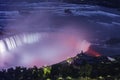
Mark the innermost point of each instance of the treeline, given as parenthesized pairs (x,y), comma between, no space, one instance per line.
(65,71)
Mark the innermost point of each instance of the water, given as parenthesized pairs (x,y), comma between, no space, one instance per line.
(37,33)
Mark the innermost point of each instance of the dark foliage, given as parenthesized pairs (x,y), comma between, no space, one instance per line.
(102,68)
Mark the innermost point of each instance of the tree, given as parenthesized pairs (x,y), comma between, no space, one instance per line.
(85,70)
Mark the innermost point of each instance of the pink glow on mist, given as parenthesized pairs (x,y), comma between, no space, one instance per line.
(84,46)
(51,48)
(45,48)
(93,52)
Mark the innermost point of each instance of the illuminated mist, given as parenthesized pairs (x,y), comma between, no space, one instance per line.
(32,42)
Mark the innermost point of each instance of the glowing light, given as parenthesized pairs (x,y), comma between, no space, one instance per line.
(93,52)
(2,47)
(19,40)
(111,59)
